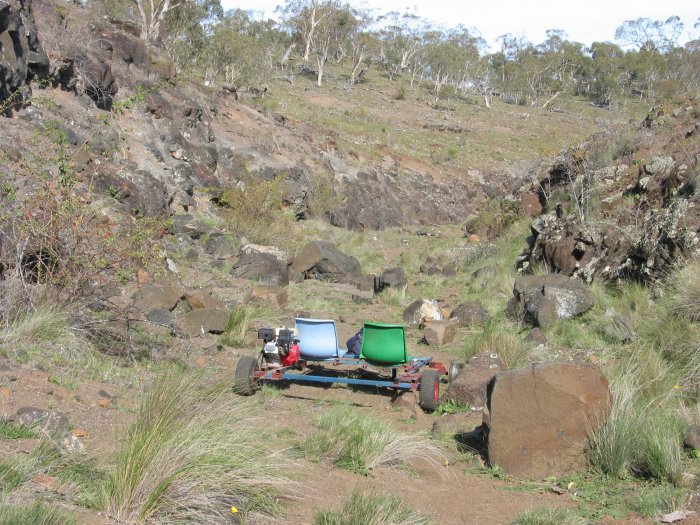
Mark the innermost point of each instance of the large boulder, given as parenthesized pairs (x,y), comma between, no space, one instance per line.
(274,296)
(470,313)
(322,260)
(394,277)
(154,297)
(539,417)
(262,266)
(422,310)
(438,333)
(542,299)
(201,321)
(469,387)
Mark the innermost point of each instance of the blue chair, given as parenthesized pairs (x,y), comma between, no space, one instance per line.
(318,339)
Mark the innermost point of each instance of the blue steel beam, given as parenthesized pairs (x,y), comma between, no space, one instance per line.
(345,380)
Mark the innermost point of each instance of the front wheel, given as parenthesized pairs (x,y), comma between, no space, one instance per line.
(244,382)
(429,390)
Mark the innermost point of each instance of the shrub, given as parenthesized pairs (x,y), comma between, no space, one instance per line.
(361,509)
(360,443)
(190,456)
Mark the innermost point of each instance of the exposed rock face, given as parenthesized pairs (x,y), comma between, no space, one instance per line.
(539,417)
(421,311)
(50,421)
(322,260)
(439,333)
(662,225)
(469,387)
(22,57)
(470,313)
(154,297)
(542,299)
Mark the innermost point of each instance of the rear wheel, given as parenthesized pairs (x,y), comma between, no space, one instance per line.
(244,383)
(429,391)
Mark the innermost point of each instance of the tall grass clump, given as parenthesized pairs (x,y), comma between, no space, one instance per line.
(41,326)
(643,435)
(392,296)
(378,509)
(548,516)
(240,321)
(360,443)
(35,514)
(501,338)
(190,456)
(685,286)
(654,501)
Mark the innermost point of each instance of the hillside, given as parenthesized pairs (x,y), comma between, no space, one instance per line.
(151,223)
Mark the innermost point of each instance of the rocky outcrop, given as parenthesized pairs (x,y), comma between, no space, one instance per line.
(539,417)
(22,57)
(651,220)
(542,299)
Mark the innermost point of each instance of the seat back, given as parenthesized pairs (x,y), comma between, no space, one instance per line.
(384,344)
(317,339)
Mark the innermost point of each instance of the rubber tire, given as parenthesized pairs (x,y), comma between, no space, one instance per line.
(429,391)
(243,382)
(455,368)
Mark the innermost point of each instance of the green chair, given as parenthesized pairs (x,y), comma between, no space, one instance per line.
(384,344)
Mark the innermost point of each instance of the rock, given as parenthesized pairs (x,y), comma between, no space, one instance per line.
(692,438)
(22,57)
(4,392)
(659,166)
(79,432)
(45,481)
(449,270)
(469,387)
(536,337)
(202,321)
(431,266)
(161,316)
(470,313)
(100,84)
(484,273)
(322,260)
(198,300)
(438,333)
(530,205)
(422,310)
(274,296)
(263,267)
(104,403)
(542,299)
(539,417)
(394,277)
(71,444)
(50,421)
(154,297)
(407,401)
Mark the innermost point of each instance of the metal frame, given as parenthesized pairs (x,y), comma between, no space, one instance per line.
(408,380)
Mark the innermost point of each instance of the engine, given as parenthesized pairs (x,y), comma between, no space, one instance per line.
(280,346)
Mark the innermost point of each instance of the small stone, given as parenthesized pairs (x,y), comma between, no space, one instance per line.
(4,392)
(79,432)
(439,333)
(104,403)
(200,361)
(474,238)
(44,480)
(142,276)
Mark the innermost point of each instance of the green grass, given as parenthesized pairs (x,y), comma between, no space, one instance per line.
(501,337)
(190,455)
(360,443)
(655,500)
(10,431)
(362,509)
(34,514)
(240,322)
(83,480)
(549,516)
